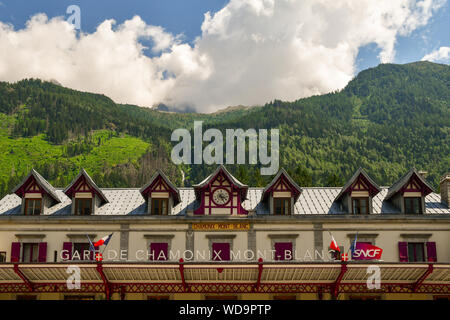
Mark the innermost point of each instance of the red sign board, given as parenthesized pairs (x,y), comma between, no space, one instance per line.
(366,251)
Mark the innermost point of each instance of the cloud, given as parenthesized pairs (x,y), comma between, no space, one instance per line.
(441,54)
(249,52)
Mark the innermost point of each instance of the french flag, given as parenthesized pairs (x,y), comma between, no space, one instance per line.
(334,246)
(103,241)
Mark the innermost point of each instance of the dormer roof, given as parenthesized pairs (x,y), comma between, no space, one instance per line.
(83,176)
(292,184)
(374,189)
(20,189)
(154,180)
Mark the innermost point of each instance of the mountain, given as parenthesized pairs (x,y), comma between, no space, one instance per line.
(387,119)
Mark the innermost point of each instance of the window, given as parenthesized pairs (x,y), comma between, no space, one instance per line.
(2,256)
(416,252)
(159,251)
(283,251)
(30,252)
(160,206)
(413,205)
(281,206)
(83,207)
(33,207)
(360,205)
(82,251)
(220,252)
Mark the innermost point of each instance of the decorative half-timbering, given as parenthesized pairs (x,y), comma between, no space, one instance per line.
(160,194)
(36,194)
(356,195)
(85,194)
(220,193)
(281,194)
(409,192)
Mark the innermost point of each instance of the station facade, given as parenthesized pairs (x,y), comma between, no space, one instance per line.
(221,239)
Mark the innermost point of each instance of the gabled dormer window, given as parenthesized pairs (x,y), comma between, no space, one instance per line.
(356,195)
(409,192)
(281,193)
(33,207)
(160,195)
(86,196)
(37,194)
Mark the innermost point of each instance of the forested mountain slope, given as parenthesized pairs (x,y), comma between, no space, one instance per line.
(387,120)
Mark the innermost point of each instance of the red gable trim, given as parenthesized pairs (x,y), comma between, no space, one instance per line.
(287,186)
(25,188)
(417,186)
(157,182)
(76,187)
(367,186)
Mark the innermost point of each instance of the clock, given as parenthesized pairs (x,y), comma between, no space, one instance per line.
(221,196)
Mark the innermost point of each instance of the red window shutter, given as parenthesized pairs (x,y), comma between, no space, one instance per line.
(159,249)
(15,252)
(283,251)
(42,257)
(67,247)
(403,251)
(221,252)
(431,252)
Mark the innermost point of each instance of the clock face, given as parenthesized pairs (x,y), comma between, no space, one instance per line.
(221,196)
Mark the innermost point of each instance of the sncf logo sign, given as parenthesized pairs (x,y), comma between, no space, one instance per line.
(366,251)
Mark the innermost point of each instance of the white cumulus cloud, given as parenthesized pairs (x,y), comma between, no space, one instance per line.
(249,52)
(441,54)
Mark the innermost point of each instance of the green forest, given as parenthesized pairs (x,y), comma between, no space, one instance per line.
(387,120)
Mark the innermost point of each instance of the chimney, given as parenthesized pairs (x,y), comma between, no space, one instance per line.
(445,188)
(424,174)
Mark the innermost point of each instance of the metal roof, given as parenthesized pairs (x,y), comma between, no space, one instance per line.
(129,201)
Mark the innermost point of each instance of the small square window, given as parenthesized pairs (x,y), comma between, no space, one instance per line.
(2,256)
(30,252)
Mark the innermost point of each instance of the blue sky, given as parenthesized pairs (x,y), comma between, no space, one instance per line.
(186,18)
